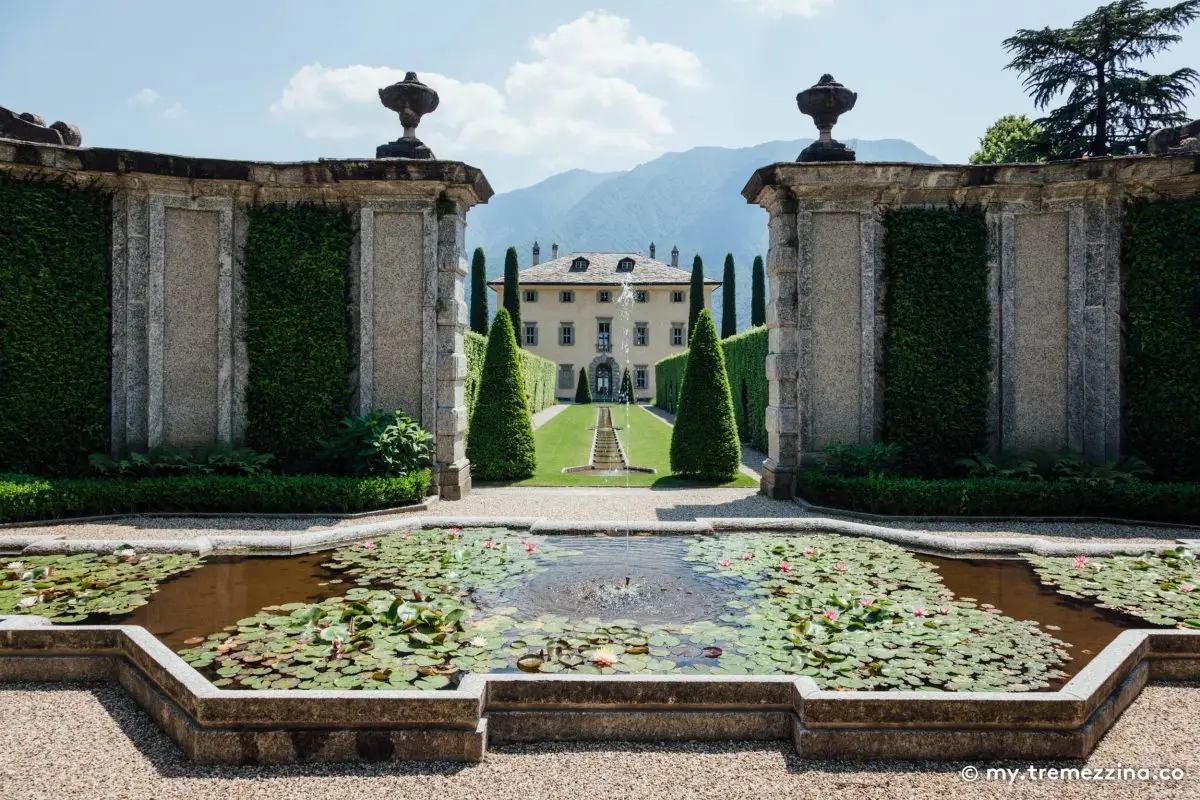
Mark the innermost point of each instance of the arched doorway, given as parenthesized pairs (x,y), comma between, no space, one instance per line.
(604,382)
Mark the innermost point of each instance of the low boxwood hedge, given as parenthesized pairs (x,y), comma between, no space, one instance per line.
(26,499)
(973,497)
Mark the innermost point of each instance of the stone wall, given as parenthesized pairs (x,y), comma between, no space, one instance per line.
(1054,280)
(179,226)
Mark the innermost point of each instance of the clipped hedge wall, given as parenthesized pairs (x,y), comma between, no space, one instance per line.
(280,494)
(55,301)
(540,374)
(298,328)
(1154,502)
(936,346)
(1161,258)
(745,363)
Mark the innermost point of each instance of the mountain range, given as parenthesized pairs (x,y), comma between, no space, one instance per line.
(691,200)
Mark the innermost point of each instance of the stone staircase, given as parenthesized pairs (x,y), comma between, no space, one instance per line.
(606,450)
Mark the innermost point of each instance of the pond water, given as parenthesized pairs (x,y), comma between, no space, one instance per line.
(643,579)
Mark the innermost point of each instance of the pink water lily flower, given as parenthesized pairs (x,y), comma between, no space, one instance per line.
(407,535)
(841,566)
(944,610)
(809,552)
(368,545)
(724,562)
(1080,562)
(1186,588)
(866,601)
(919,611)
(747,556)
(453,532)
(831,615)
(487,544)
(530,547)
(785,566)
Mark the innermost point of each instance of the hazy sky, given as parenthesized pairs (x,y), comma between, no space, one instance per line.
(528,87)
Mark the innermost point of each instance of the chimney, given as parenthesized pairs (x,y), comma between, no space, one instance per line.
(652,249)
(674,256)
(537,254)
(554,250)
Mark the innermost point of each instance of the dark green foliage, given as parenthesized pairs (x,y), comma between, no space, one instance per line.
(1012,139)
(1111,104)
(728,300)
(627,395)
(1162,378)
(704,441)
(758,294)
(1139,500)
(297,328)
(275,494)
(377,443)
(695,295)
(1041,466)
(876,460)
(583,391)
(745,364)
(500,445)
(167,460)
(479,300)
(540,374)
(936,347)
(55,298)
(512,293)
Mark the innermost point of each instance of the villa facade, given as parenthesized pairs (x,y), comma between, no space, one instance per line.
(604,312)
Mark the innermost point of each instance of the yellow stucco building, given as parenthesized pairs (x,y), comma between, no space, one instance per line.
(606,312)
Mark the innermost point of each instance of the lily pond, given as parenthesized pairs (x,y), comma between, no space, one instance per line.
(421,609)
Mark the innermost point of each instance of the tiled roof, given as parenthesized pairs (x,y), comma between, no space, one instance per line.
(602,269)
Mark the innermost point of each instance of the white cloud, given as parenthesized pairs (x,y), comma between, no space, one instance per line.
(576,103)
(174,112)
(790,8)
(144,97)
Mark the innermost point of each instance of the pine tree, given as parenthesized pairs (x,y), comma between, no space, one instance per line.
(500,441)
(583,392)
(758,294)
(627,388)
(696,294)
(512,293)
(479,301)
(728,300)
(704,441)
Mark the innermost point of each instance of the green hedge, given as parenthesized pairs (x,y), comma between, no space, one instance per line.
(298,328)
(540,374)
(48,499)
(1155,502)
(936,347)
(745,363)
(55,300)
(1161,257)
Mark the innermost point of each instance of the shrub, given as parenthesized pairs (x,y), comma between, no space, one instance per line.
(297,328)
(583,390)
(377,443)
(728,299)
(479,300)
(55,347)
(758,294)
(876,460)
(500,445)
(540,374)
(275,494)
(695,296)
(936,346)
(1154,502)
(167,460)
(627,395)
(704,441)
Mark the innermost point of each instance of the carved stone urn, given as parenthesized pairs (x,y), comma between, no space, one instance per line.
(411,100)
(825,102)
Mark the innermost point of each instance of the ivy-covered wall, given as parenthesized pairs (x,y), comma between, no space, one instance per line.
(745,364)
(1161,258)
(936,346)
(298,328)
(55,300)
(540,374)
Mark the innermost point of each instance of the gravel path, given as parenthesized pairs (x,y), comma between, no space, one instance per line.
(752,460)
(548,413)
(91,741)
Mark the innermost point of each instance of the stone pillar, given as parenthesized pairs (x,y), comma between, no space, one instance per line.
(453,469)
(130,280)
(785,321)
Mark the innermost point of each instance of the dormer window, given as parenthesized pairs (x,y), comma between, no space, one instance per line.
(625,265)
(579,265)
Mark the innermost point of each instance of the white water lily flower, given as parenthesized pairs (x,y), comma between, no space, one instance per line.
(27,575)
(26,602)
(125,552)
(14,565)
(451,575)
(479,641)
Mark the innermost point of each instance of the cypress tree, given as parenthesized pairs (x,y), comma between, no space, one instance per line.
(479,301)
(583,392)
(627,387)
(512,293)
(500,434)
(728,300)
(696,294)
(758,294)
(704,441)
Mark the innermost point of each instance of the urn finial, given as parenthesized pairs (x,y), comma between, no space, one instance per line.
(825,102)
(411,100)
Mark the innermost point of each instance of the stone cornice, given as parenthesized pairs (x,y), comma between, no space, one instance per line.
(326,179)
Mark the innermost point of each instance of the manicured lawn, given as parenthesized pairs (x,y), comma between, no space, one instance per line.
(566,441)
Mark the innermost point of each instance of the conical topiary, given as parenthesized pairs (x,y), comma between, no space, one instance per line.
(695,295)
(627,388)
(512,293)
(583,392)
(704,443)
(500,434)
